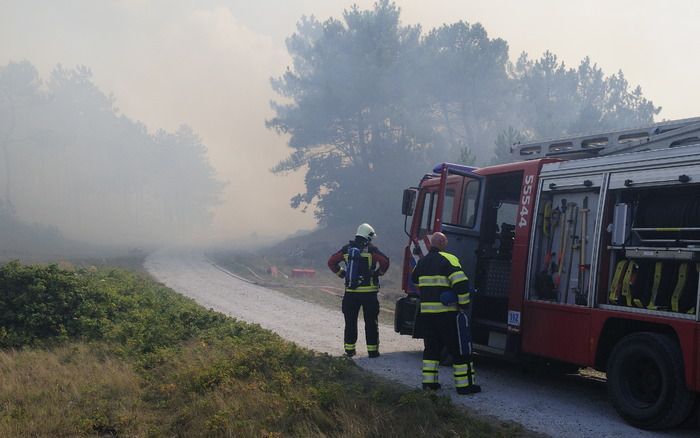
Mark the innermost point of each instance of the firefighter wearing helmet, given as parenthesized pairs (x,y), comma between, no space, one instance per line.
(444,302)
(360,264)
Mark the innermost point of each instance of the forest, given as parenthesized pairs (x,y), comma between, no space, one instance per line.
(370,105)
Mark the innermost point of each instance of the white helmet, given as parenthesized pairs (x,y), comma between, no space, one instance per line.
(366,231)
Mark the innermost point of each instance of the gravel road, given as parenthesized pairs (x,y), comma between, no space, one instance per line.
(560,406)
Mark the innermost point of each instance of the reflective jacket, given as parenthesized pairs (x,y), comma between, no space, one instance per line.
(436,273)
(375,263)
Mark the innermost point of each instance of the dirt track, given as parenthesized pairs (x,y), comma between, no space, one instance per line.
(561,406)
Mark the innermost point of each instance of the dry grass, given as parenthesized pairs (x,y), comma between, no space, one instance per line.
(67,392)
(163,366)
(216,389)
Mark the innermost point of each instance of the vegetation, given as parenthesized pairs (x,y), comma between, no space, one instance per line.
(70,159)
(370,105)
(107,352)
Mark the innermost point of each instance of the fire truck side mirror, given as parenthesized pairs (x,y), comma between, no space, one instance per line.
(409,202)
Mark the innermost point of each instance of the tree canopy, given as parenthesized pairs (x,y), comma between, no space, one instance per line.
(369,105)
(72,160)
(352,118)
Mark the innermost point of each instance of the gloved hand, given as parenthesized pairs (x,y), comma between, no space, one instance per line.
(341,273)
(448,298)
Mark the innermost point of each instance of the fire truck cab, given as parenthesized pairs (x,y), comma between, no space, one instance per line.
(586,252)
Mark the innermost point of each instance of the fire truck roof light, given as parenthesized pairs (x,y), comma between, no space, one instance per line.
(459,167)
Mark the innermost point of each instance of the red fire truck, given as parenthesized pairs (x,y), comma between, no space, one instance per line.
(585,252)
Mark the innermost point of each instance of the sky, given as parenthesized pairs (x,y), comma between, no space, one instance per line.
(208,63)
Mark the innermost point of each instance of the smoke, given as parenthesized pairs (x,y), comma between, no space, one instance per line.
(207,64)
(165,65)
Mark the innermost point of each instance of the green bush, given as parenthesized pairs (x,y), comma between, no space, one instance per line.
(138,359)
(45,305)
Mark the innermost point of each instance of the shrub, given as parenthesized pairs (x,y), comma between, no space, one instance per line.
(45,305)
(147,361)
(39,304)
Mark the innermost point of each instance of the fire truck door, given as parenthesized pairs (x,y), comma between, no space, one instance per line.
(556,313)
(463,234)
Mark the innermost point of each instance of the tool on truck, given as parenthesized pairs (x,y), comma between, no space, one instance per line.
(585,252)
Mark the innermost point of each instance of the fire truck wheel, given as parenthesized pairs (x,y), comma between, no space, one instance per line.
(646,382)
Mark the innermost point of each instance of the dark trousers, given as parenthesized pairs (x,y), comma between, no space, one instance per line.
(352,302)
(440,331)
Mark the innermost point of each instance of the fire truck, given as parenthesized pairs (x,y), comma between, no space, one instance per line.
(586,252)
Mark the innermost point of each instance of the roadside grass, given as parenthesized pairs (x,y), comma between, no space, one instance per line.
(129,357)
(70,390)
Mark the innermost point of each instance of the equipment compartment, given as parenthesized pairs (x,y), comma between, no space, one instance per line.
(563,240)
(655,265)
(659,285)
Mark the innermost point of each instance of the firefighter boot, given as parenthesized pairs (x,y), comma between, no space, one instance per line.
(464,379)
(373,350)
(349,349)
(432,386)
(471,389)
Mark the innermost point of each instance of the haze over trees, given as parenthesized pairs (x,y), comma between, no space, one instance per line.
(370,105)
(70,160)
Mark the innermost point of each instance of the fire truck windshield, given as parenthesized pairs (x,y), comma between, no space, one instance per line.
(471,194)
(428,203)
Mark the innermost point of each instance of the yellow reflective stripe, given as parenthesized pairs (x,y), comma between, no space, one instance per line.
(461,382)
(349,346)
(461,369)
(463,299)
(454,261)
(430,378)
(363,289)
(368,256)
(458,276)
(432,307)
(433,280)
(372,347)
(430,365)
(430,371)
(682,275)
(362,254)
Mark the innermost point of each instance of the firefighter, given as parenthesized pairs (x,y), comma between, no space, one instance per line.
(444,293)
(363,264)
